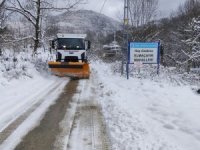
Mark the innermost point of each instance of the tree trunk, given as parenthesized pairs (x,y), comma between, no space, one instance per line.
(0,52)
(37,28)
(189,62)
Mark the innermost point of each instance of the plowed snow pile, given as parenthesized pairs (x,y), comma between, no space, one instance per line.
(145,114)
(26,94)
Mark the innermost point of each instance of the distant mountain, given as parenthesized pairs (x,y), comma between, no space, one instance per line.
(86,20)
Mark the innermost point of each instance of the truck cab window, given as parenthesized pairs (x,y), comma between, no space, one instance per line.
(71,43)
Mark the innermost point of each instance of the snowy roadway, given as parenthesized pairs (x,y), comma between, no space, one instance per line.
(52,113)
(22,105)
(139,114)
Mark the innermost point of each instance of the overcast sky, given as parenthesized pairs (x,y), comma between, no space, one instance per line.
(114,8)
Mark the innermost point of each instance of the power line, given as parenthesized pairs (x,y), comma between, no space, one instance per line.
(103,6)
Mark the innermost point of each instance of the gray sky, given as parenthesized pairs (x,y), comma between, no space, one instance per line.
(167,6)
(114,8)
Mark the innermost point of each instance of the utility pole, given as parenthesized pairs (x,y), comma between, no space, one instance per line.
(125,34)
(126,23)
(126,12)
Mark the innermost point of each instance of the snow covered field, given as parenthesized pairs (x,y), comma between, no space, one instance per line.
(143,114)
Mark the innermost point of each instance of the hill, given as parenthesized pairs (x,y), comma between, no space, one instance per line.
(86,20)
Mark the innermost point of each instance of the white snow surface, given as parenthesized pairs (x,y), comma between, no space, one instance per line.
(140,113)
(17,98)
(25,90)
(144,114)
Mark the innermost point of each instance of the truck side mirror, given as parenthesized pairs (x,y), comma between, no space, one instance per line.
(87,45)
(53,44)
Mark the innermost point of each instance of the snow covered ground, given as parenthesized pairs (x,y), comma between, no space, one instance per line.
(144,114)
(30,98)
(159,113)
(25,96)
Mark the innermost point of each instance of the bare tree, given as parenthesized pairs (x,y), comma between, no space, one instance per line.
(2,21)
(189,9)
(34,12)
(192,34)
(142,11)
(2,14)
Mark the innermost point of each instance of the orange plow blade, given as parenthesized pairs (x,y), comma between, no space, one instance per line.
(70,69)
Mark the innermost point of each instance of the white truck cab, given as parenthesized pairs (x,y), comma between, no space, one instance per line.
(71,47)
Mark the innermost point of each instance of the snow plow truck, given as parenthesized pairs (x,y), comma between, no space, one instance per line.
(71,56)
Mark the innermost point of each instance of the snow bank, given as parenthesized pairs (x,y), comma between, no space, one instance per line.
(148,113)
(22,65)
(27,91)
(47,96)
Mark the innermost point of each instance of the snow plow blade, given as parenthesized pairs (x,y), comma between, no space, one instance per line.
(70,69)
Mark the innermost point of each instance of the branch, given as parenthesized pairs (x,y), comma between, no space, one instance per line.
(26,11)
(17,39)
(153,35)
(21,12)
(197,37)
(2,3)
(191,57)
(186,54)
(172,58)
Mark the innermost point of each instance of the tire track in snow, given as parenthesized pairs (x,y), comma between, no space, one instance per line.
(22,104)
(43,137)
(84,124)
(13,124)
(89,129)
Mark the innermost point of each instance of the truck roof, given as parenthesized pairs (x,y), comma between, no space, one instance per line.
(82,36)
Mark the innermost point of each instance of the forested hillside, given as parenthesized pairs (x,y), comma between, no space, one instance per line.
(179,36)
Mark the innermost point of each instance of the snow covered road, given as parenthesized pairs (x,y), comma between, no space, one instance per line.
(45,135)
(22,105)
(141,114)
(20,97)
(45,121)
(74,122)
(89,129)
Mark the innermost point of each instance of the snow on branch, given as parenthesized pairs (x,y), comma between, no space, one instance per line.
(18,39)
(26,11)
(35,10)
(2,2)
(173,59)
(14,9)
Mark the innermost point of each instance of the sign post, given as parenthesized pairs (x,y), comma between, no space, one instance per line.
(158,62)
(145,53)
(127,70)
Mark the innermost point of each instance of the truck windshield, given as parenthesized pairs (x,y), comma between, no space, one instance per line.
(71,44)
